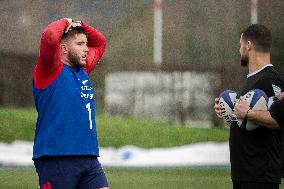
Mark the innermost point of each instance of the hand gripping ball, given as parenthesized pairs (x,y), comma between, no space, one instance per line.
(227,100)
(257,100)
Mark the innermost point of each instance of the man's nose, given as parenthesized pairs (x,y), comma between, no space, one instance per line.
(86,49)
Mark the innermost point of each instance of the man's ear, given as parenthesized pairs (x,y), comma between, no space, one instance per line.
(249,45)
(64,49)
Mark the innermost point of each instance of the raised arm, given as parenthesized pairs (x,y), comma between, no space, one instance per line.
(96,45)
(50,44)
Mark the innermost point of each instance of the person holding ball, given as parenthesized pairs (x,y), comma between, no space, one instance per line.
(255,155)
(272,118)
(65,150)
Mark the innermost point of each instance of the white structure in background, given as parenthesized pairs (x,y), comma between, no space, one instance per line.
(160,94)
(158,27)
(253,18)
(19,153)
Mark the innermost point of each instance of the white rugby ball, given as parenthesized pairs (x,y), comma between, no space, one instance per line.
(257,100)
(227,100)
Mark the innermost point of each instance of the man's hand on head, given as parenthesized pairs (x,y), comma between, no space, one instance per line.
(73,24)
(69,20)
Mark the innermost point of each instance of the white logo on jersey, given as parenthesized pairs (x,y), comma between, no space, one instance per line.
(86,88)
(84,82)
(276,89)
(87,96)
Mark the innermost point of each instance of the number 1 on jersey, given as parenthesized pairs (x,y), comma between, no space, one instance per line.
(88,106)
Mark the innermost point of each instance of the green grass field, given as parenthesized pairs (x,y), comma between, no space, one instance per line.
(133,178)
(19,124)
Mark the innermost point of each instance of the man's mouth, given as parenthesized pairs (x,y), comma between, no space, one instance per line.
(84,57)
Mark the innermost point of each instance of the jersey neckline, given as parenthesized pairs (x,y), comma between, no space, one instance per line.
(259,70)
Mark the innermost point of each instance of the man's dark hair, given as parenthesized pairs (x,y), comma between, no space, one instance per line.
(72,32)
(260,36)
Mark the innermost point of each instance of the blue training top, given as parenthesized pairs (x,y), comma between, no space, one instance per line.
(66,122)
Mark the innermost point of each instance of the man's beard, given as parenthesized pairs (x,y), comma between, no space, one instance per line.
(74,59)
(244,60)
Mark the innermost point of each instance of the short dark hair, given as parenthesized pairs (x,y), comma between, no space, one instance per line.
(72,32)
(260,37)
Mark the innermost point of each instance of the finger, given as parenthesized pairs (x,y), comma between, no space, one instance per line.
(76,24)
(69,20)
(235,110)
(218,111)
(217,107)
(218,115)
(73,25)
(68,27)
(242,98)
(237,105)
(280,96)
(217,100)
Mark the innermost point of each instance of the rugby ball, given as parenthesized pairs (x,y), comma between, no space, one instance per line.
(227,100)
(257,100)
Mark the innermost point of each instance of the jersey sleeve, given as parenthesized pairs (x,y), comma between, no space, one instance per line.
(271,86)
(49,46)
(49,63)
(96,45)
(277,111)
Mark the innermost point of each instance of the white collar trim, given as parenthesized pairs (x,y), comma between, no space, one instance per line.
(257,71)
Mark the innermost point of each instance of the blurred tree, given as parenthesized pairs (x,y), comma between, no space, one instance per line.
(197,33)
